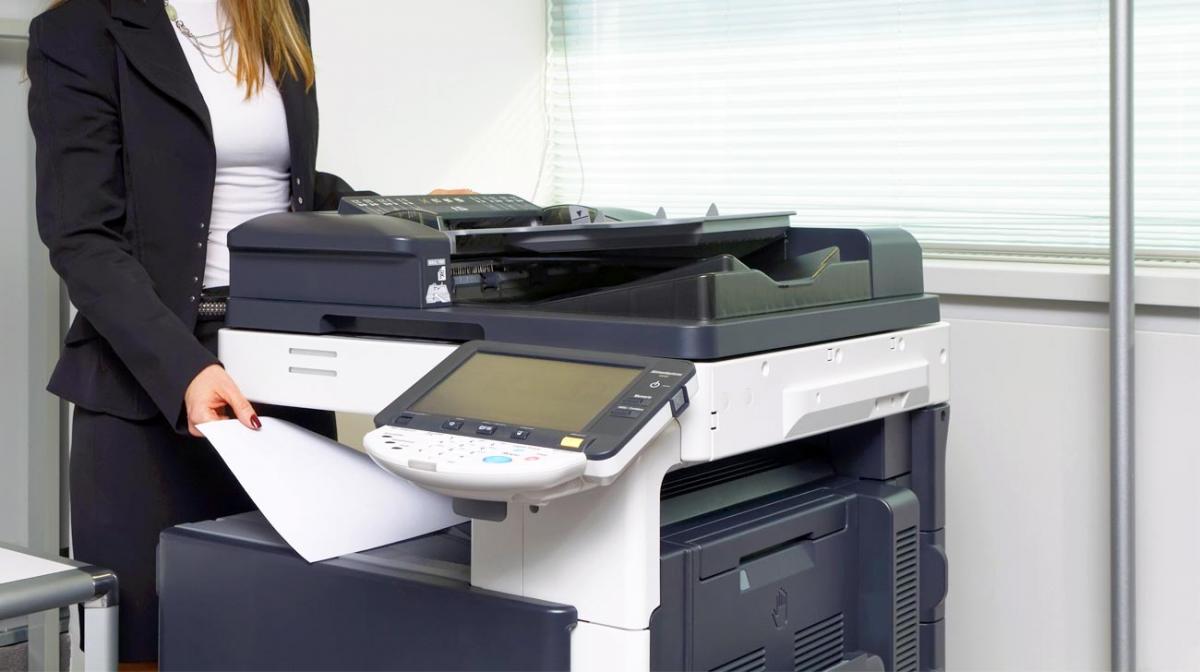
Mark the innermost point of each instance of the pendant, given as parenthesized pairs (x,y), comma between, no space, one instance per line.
(171,13)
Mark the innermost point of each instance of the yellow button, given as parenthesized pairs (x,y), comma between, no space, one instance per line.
(573,442)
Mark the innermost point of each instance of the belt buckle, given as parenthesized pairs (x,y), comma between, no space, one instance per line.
(211,309)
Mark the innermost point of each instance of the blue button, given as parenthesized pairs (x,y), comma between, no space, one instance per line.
(497,459)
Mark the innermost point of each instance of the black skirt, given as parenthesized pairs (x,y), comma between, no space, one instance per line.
(130,480)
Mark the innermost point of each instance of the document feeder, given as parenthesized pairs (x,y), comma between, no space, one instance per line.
(692,288)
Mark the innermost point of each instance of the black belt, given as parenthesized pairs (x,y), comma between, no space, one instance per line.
(213,303)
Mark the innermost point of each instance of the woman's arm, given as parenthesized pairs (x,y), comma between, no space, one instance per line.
(81,208)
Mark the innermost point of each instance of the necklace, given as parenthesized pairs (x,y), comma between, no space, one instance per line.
(209,50)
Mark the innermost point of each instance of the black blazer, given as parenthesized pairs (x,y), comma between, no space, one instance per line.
(125,170)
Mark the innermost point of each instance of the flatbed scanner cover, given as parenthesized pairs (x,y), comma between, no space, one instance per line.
(616,280)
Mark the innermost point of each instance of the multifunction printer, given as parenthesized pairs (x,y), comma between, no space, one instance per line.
(682,443)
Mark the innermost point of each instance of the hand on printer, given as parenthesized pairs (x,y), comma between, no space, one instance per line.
(210,393)
(452,192)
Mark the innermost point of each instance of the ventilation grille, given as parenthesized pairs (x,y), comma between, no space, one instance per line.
(755,661)
(906,601)
(820,646)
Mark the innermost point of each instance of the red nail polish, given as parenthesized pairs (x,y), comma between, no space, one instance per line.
(255,422)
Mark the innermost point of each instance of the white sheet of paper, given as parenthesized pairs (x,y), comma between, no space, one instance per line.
(16,566)
(323,498)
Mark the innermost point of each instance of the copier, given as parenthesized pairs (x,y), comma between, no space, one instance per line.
(710,443)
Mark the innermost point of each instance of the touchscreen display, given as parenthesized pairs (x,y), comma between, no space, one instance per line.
(514,390)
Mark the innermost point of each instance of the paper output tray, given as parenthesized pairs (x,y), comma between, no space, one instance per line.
(722,287)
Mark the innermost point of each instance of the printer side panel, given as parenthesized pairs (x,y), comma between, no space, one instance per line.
(928,432)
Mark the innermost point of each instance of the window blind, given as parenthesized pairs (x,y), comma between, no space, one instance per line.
(979,125)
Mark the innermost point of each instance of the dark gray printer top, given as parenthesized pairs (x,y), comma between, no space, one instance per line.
(696,288)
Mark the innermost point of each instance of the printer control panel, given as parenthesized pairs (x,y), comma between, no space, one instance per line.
(498,419)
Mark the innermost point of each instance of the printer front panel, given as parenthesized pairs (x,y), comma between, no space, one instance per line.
(597,550)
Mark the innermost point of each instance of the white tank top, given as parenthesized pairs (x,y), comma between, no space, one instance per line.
(251,137)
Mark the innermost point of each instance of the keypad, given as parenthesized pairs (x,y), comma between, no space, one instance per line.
(422,447)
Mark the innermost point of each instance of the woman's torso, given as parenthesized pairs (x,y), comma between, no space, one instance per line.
(250,134)
(119,105)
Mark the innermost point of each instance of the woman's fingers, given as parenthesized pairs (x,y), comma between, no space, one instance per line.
(210,392)
(239,405)
(199,415)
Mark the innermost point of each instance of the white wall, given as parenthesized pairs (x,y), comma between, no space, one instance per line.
(14,172)
(29,448)
(1027,474)
(21,9)
(15,189)
(419,95)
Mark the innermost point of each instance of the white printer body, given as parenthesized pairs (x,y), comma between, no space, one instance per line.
(598,549)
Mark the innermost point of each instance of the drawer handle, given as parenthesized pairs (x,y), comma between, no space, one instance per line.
(309,352)
(312,372)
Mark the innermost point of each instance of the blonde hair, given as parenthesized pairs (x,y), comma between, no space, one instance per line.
(268,37)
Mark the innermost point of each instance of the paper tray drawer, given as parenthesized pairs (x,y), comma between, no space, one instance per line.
(349,375)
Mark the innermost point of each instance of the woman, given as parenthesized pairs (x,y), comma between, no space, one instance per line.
(159,127)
